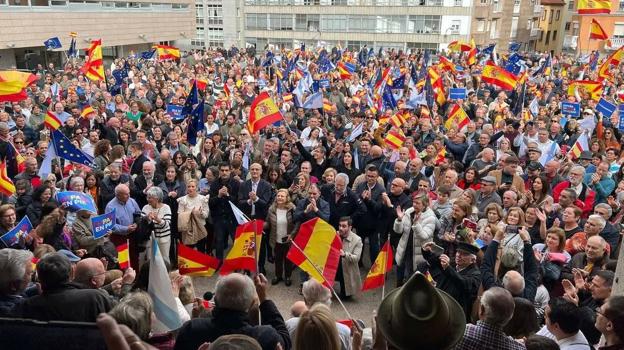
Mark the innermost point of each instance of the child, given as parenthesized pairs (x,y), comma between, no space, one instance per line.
(442,206)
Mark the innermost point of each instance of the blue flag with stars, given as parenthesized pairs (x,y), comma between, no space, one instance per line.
(191,100)
(196,124)
(52,43)
(65,149)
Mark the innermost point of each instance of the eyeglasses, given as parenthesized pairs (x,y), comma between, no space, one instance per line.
(18,142)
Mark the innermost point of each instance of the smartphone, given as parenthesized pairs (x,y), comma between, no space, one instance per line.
(437,250)
(512,229)
(469,224)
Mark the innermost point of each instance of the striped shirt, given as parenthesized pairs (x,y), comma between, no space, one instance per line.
(162,229)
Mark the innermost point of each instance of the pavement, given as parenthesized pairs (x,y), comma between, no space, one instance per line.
(360,306)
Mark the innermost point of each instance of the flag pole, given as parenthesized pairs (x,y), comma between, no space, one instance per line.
(320,273)
(385,263)
(128,244)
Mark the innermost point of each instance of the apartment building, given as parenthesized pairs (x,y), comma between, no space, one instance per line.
(504,21)
(123,26)
(218,23)
(577,29)
(552,26)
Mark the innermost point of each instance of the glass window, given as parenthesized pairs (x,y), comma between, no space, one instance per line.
(557,14)
(57,3)
(18,2)
(333,23)
(514,27)
(480,25)
(554,35)
(547,37)
(428,24)
(618,30)
(32,2)
(280,21)
(215,14)
(256,21)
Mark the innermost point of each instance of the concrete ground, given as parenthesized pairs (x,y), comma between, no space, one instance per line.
(360,306)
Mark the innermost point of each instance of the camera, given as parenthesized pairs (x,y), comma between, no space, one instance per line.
(513,229)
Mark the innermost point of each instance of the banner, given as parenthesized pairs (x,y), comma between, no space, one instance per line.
(74,201)
(457,94)
(605,107)
(102,224)
(175,111)
(22,229)
(621,113)
(571,108)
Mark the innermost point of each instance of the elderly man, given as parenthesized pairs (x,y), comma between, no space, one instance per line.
(415,175)
(148,179)
(235,294)
(485,163)
(17,270)
(110,181)
(577,242)
(551,171)
(487,195)
(589,262)
(601,182)
(348,274)
(30,173)
(173,144)
(316,293)
(610,232)
(60,299)
(342,200)
(90,273)
(126,209)
(495,311)
(449,178)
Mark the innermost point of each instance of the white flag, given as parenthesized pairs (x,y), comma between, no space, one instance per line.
(159,288)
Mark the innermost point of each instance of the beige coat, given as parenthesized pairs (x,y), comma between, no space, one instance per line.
(352,246)
(517,183)
(270,224)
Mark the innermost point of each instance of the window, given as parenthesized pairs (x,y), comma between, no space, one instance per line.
(514,27)
(333,23)
(621,7)
(428,24)
(480,25)
(516,8)
(547,37)
(557,14)
(458,3)
(554,35)
(571,5)
(544,14)
(280,21)
(498,6)
(215,37)
(307,23)
(550,18)
(541,36)
(618,30)
(484,2)
(256,21)
(494,29)
(215,14)
(357,23)
(567,26)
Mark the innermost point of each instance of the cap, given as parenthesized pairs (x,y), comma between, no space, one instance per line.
(468,248)
(489,179)
(588,111)
(535,149)
(69,255)
(535,166)
(586,155)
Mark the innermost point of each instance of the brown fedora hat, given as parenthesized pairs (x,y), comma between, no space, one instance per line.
(419,316)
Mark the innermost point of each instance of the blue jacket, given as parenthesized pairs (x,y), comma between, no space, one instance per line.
(603,188)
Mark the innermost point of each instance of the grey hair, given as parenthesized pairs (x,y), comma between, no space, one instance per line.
(171,134)
(121,186)
(114,166)
(150,163)
(75,181)
(578,168)
(498,306)
(13,266)
(155,192)
(315,293)
(508,281)
(601,221)
(605,206)
(135,311)
(235,292)
(343,176)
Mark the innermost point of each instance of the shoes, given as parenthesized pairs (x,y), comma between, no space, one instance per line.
(276,280)
(287,282)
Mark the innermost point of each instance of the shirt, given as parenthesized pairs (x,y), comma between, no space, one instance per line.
(124,214)
(575,342)
(282,224)
(484,336)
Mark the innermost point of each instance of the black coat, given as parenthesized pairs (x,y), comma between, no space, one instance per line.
(265,198)
(374,205)
(530,270)
(349,205)
(137,165)
(140,184)
(219,207)
(222,322)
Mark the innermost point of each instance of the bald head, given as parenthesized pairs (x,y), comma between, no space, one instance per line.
(513,282)
(298,308)
(90,272)
(399,167)
(397,186)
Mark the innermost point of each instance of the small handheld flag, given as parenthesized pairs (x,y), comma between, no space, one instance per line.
(52,43)
(13,85)
(596,31)
(7,187)
(123,255)
(194,263)
(246,248)
(382,265)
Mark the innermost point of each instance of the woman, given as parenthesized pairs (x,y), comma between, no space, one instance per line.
(470,179)
(92,187)
(538,195)
(157,138)
(347,166)
(416,226)
(159,215)
(8,221)
(317,330)
(299,188)
(504,147)
(570,220)
(310,142)
(101,152)
(41,195)
(124,139)
(120,104)
(51,231)
(274,177)
(178,159)
(208,155)
(118,157)
(536,224)
(173,189)
(493,217)
(329,175)
(452,229)
(470,196)
(82,233)
(608,137)
(549,253)
(192,214)
(281,226)
(513,245)
(209,177)
(211,126)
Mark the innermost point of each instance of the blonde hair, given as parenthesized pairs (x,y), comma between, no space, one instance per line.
(317,330)
(135,311)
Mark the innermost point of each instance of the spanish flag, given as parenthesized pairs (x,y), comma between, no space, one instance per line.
(316,250)
(13,85)
(86,112)
(458,46)
(246,248)
(196,264)
(93,67)
(424,112)
(457,116)
(438,87)
(497,76)
(167,52)
(123,256)
(327,106)
(447,65)
(581,144)
(472,54)
(593,88)
(397,120)
(345,69)
(441,156)
(394,139)
(201,84)
(226,90)
(20,162)
(33,263)
(596,31)
(381,266)
(263,112)
(593,7)
(7,187)
(52,121)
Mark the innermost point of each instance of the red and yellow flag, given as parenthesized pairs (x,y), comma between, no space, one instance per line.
(438,86)
(472,54)
(596,31)
(194,263)
(87,111)
(394,139)
(13,85)
(226,90)
(7,187)
(52,121)
(398,119)
(447,65)
(593,7)
(441,156)
(123,256)
(593,88)
(316,250)
(263,112)
(457,116)
(458,46)
(166,52)
(381,266)
(327,106)
(33,263)
(498,76)
(246,248)
(93,67)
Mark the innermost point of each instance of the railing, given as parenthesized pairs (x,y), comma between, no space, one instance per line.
(535,31)
(537,8)
(615,43)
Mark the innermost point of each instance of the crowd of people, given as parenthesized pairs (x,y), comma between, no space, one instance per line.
(517,231)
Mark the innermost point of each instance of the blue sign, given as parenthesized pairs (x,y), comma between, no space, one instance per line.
(22,229)
(175,111)
(458,94)
(324,83)
(103,224)
(75,201)
(571,108)
(605,107)
(621,112)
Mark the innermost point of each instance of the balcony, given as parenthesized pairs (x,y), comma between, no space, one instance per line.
(615,43)
(535,32)
(537,9)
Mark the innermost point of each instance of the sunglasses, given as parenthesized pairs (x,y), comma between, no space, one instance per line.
(18,142)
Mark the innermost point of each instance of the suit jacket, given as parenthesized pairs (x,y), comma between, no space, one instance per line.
(137,165)
(301,216)
(517,183)
(140,184)
(265,198)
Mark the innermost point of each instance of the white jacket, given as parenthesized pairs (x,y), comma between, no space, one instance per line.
(423,231)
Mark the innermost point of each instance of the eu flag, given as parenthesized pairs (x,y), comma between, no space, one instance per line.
(65,149)
(72,52)
(196,124)
(191,100)
(146,55)
(514,46)
(52,43)
(388,99)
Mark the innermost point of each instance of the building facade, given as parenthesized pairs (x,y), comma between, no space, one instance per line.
(578,28)
(504,21)
(391,24)
(123,27)
(218,23)
(552,25)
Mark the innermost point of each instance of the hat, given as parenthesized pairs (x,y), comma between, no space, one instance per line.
(535,166)
(468,248)
(586,155)
(512,160)
(535,149)
(420,316)
(588,111)
(489,179)
(69,255)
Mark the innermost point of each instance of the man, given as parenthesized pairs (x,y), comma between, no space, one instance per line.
(287,166)
(415,167)
(487,161)
(589,262)
(399,171)
(312,207)
(563,322)
(173,144)
(224,190)
(495,311)
(533,171)
(476,148)
(461,281)
(342,200)
(17,269)
(546,145)
(110,130)
(610,232)
(316,293)
(90,273)
(370,194)
(551,171)
(125,210)
(348,274)
(449,178)
(610,322)
(30,173)
(110,181)
(267,157)
(21,126)
(60,299)
(510,200)
(148,179)
(234,296)
(136,153)
(254,198)
(393,199)
(601,182)
(487,195)
(508,177)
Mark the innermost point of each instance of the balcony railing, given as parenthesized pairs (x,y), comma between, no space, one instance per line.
(615,43)
(535,31)
(537,8)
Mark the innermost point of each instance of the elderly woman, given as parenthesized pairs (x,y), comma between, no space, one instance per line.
(159,214)
(82,233)
(192,214)
(281,226)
